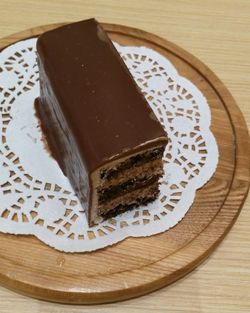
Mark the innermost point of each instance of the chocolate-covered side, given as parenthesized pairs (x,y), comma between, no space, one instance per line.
(96,116)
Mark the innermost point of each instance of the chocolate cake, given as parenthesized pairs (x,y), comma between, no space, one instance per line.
(99,126)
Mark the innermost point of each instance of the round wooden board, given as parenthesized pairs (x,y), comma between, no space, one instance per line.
(137,266)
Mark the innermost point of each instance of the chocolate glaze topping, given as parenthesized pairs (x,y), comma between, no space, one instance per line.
(102,107)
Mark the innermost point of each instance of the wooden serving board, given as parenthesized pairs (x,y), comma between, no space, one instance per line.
(137,266)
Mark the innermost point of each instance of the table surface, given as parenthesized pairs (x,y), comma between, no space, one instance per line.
(217,32)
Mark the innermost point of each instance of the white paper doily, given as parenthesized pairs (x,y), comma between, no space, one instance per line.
(36,198)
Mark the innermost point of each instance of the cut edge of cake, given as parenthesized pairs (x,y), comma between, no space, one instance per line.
(128,182)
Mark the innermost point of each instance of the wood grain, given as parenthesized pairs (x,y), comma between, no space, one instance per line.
(139,265)
(216,32)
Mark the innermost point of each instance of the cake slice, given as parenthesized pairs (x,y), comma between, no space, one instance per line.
(99,127)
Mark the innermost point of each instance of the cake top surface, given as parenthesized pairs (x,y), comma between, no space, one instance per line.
(100,102)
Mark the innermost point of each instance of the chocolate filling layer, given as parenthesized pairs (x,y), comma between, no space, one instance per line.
(129,197)
(123,208)
(106,195)
(154,167)
(136,160)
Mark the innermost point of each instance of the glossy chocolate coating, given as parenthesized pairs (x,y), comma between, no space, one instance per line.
(102,106)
